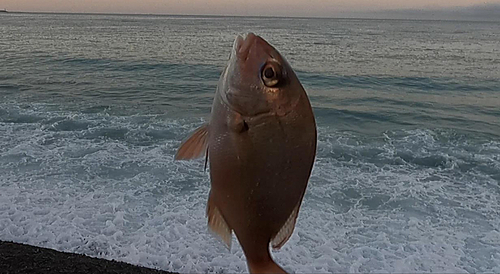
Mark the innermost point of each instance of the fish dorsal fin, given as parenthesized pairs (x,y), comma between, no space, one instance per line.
(217,224)
(286,230)
(195,146)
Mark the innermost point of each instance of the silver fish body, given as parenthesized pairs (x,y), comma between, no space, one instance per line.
(261,143)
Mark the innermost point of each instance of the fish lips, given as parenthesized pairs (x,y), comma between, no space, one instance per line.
(242,45)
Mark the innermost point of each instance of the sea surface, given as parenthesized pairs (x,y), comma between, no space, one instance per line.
(407,174)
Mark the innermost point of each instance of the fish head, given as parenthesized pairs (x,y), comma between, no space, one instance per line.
(258,79)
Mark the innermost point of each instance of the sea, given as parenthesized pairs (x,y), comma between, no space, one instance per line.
(407,175)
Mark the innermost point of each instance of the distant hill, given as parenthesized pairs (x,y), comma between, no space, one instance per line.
(485,12)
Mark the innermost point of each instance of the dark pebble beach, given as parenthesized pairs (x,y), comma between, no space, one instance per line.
(22,258)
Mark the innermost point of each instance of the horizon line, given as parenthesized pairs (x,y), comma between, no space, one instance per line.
(368,17)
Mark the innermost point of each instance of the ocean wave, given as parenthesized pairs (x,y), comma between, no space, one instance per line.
(408,200)
(422,84)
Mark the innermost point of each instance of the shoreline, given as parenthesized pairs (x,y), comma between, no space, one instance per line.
(23,258)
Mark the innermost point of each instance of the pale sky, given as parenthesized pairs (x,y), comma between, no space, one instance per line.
(234,7)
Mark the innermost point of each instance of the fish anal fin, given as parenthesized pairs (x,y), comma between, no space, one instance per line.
(195,146)
(218,225)
(286,230)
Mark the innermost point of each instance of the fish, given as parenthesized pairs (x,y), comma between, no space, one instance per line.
(260,144)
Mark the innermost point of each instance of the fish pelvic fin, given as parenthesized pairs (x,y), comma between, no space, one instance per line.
(218,225)
(195,146)
(286,230)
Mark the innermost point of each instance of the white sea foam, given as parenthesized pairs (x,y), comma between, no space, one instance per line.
(108,187)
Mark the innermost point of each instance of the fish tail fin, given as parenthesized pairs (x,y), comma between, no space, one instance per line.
(265,267)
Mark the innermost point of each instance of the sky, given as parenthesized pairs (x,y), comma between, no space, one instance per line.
(322,8)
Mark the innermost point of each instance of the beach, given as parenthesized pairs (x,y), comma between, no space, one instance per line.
(22,258)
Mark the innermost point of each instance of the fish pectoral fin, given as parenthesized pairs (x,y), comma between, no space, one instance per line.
(195,146)
(218,225)
(286,230)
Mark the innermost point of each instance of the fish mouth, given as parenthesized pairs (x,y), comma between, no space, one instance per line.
(242,45)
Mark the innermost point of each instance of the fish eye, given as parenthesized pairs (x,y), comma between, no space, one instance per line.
(271,74)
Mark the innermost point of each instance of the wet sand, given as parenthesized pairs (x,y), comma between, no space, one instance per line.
(22,258)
